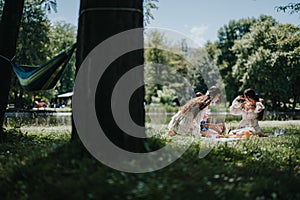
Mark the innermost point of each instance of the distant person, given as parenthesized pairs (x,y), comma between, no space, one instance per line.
(187,120)
(38,104)
(251,107)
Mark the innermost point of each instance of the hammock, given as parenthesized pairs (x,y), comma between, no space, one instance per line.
(45,76)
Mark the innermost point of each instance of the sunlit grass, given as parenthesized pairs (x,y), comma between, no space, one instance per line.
(42,163)
(50,132)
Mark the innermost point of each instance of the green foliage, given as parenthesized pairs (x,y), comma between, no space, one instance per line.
(48,168)
(162,108)
(177,67)
(261,54)
(63,36)
(38,42)
(32,49)
(203,71)
(268,61)
(162,67)
(291,8)
(49,5)
(225,57)
(149,5)
(164,96)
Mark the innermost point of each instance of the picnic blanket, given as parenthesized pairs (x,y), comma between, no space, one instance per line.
(239,134)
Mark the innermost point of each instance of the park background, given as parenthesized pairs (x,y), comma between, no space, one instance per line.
(258,50)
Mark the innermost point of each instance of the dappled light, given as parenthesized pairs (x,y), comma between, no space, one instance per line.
(100,105)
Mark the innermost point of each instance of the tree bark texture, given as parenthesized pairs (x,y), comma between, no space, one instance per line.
(9,29)
(95,26)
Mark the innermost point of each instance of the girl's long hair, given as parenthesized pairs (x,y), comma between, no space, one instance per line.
(202,100)
(191,103)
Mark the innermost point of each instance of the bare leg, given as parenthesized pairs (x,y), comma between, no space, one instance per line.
(171,133)
(219,128)
(208,133)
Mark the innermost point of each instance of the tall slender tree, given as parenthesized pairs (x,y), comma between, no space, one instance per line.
(9,29)
(32,49)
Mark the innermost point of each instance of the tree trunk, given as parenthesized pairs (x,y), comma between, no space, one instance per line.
(9,29)
(98,21)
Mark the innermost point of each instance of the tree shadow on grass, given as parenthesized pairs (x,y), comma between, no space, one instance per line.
(65,170)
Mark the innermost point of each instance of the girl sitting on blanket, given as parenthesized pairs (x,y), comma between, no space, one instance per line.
(209,129)
(187,120)
(251,107)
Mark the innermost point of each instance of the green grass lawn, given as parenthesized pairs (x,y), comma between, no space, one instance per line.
(41,163)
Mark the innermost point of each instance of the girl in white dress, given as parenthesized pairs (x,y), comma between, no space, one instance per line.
(251,108)
(187,120)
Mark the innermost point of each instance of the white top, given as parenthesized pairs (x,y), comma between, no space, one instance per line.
(188,123)
(249,118)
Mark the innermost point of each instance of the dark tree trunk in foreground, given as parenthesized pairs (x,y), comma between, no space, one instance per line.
(9,29)
(98,21)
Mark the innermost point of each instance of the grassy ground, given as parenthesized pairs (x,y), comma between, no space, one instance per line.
(41,163)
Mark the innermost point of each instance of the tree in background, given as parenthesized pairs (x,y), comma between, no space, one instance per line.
(268,60)
(224,56)
(154,54)
(39,41)
(149,5)
(291,8)
(33,48)
(163,63)
(202,72)
(179,60)
(262,54)
(166,62)
(62,37)
(9,29)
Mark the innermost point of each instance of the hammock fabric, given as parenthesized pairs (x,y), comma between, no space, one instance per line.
(45,76)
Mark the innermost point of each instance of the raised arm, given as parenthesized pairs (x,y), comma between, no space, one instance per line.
(236,108)
(259,107)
